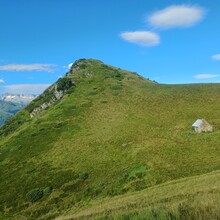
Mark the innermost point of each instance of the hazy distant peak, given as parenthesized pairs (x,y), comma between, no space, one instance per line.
(18,98)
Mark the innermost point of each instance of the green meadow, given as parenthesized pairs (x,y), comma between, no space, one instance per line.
(194,197)
(116,146)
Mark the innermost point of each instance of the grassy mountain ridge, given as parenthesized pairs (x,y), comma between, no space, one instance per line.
(111,133)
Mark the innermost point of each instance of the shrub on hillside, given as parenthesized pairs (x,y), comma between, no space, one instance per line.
(137,172)
(34,195)
(48,190)
(64,84)
(83,176)
(116,87)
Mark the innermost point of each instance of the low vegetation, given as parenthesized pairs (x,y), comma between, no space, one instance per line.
(188,198)
(113,133)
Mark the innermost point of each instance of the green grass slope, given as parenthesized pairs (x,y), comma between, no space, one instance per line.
(112,132)
(195,197)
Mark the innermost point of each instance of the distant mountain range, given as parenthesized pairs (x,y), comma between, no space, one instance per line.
(12,103)
(18,98)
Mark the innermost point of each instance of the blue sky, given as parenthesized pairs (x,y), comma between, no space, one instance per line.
(167,41)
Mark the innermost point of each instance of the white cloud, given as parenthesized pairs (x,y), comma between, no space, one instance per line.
(176,16)
(24,88)
(143,38)
(216,57)
(205,76)
(68,66)
(28,67)
(2,81)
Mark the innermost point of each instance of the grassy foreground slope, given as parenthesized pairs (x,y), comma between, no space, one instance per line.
(113,132)
(195,197)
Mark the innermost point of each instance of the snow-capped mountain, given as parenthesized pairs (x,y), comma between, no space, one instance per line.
(18,98)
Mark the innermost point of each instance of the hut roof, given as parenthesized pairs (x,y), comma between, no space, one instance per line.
(197,123)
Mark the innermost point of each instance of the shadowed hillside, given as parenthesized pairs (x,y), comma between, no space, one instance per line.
(100,132)
(8,109)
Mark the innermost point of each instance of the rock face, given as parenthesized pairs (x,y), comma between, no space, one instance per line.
(55,92)
(41,108)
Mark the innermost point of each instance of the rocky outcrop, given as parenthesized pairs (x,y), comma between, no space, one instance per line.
(38,110)
(56,93)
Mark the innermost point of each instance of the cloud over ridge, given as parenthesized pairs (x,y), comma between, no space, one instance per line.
(176,16)
(143,38)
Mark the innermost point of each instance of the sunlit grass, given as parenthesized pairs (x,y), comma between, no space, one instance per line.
(190,198)
(126,140)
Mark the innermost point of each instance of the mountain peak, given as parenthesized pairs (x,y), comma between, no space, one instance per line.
(82,63)
(87,75)
(88,69)
(87,61)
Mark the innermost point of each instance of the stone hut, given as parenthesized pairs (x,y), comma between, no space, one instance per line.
(201,125)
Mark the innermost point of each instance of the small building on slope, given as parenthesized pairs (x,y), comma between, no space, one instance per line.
(201,125)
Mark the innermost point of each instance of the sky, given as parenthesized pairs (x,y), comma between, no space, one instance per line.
(169,41)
